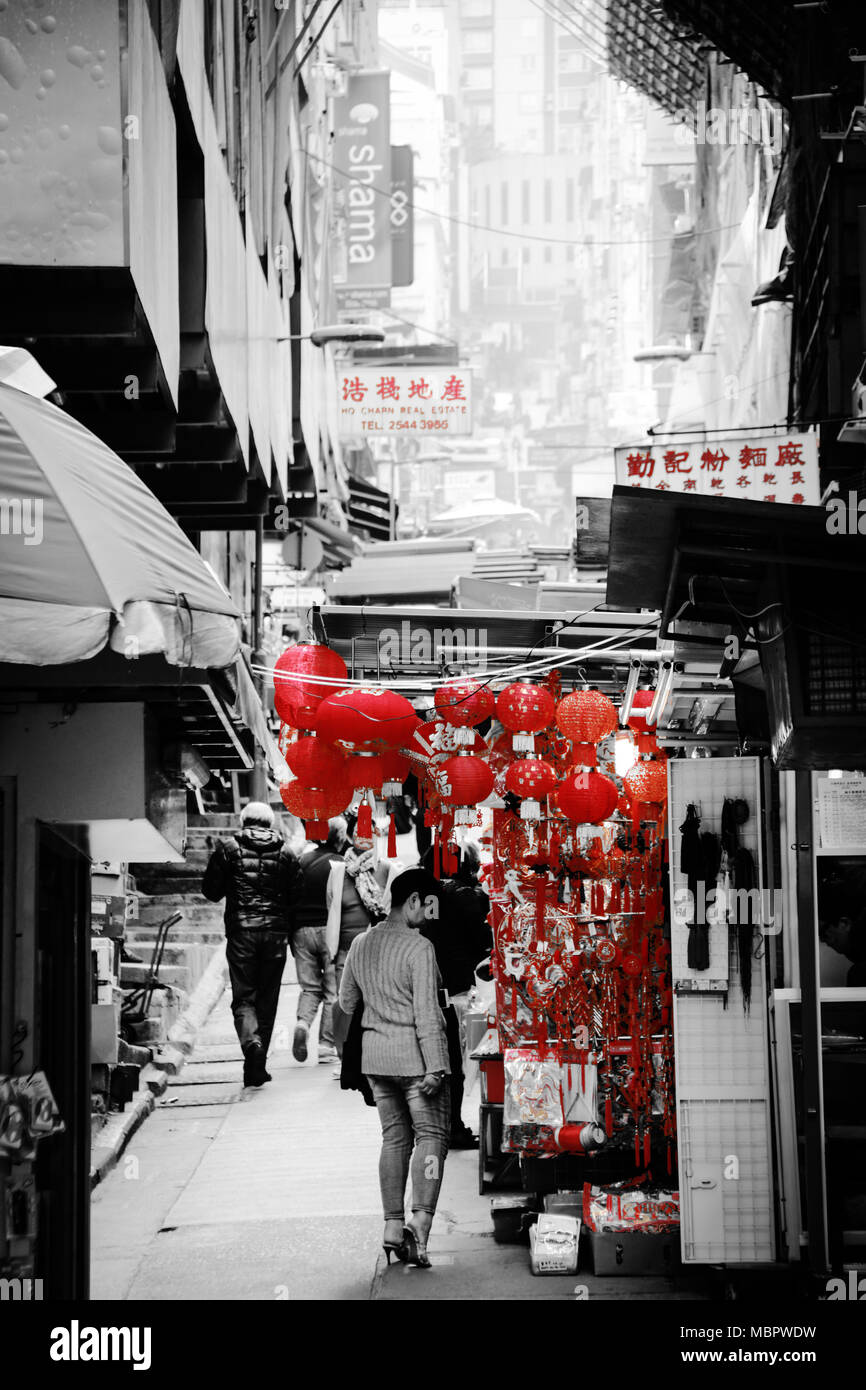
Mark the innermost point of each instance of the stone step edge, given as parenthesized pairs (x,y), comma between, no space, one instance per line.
(116,1134)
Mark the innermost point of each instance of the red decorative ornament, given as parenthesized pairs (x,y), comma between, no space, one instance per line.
(587,798)
(464,704)
(296,699)
(464,781)
(524,710)
(395,770)
(646,737)
(370,719)
(586,717)
(530,779)
(646,786)
(316,763)
(315,803)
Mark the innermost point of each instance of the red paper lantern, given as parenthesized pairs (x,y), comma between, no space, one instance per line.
(464,781)
(316,763)
(530,779)
(395,770)
(315,803)
(639,709)
(464,704)
(524,710)
(296,699)
(586,717)
(370,719)
(587,797)
(647,782)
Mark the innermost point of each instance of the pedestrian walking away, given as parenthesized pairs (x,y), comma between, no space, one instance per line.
(392,970)
(461,938)
(313,961)
(261,880)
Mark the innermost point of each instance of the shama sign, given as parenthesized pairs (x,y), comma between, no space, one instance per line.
(362,183)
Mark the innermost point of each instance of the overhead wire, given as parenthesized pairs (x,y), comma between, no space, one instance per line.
(505,231)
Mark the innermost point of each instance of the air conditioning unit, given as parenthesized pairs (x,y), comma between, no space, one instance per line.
(854,430)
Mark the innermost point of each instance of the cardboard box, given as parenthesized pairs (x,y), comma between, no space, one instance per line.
(103,1032)
(632,1253)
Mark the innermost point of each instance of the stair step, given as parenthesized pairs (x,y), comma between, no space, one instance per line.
(132,975)
(174,952)
(192,936)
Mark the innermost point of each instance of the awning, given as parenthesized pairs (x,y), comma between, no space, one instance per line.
(91,557)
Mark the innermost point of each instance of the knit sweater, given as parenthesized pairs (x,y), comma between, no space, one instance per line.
(392,969)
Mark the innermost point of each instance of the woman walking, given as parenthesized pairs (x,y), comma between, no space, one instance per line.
(391,969)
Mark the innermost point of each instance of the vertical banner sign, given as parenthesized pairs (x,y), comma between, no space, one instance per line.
(362,186)
(402,215)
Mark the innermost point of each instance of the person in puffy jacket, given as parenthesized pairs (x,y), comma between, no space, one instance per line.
(261,881)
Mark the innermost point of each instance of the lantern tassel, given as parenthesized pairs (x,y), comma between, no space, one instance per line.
(392,838)
(608,1118)
(364,827)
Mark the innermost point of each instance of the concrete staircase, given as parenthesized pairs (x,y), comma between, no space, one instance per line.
(168,888)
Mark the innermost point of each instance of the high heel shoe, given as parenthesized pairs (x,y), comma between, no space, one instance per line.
(416,1252)
(397,1248)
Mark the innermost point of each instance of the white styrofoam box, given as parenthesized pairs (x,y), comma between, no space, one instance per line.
(721,1058)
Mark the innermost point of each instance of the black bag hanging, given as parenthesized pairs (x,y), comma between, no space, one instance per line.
(691,863)
(352,1077)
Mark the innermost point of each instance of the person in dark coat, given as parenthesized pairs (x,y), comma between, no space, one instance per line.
(261,880)
(316,974)
(461,938)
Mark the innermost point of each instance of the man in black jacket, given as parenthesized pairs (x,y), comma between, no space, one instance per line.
(461,939)
(261,880)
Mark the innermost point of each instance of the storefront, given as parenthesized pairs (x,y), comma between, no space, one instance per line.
(636,890)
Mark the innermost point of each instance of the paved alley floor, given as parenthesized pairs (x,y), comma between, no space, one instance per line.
(269,1194)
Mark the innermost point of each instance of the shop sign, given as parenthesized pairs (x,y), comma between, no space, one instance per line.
(468,485)
(392,400)
(781,466)
(361,223)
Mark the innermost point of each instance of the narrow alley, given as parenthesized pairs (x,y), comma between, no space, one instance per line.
(232,1194)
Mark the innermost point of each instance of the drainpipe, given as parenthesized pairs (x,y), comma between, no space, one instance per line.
(259,775)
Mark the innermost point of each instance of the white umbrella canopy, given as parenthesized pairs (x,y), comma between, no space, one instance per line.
(90,556)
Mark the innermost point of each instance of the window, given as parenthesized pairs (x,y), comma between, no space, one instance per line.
(569,253)
(477,79)
(503,205)
(476,9)
(569,200)
(527,62)
(478,41)
(524,200)
(548,200)
(525,255)
(548,255)
(503,259)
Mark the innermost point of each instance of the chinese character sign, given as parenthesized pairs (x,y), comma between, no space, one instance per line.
(385,400)
(780,467)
